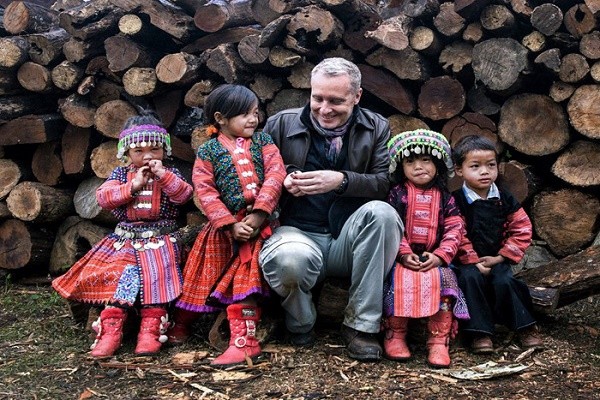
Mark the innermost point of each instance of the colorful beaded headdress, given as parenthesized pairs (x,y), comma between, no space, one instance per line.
(419,141)
(143,136)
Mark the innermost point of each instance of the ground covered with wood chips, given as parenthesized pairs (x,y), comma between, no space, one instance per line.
(43,356)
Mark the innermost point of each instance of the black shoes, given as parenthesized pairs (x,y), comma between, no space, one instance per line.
(301,339)
(361,346)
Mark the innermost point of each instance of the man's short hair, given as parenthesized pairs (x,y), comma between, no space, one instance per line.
(335,66)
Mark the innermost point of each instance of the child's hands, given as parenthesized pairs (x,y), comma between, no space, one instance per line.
(142,176)
(255,219)
(490,261)
(411,261)
(429,261)
(241,231)
(484,270)
(157,168)
(423,263)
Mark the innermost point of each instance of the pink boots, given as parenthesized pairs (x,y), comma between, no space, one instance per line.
(179,332)
(439,327)
(242,342)
(394,342)
(153,327)
(109,329)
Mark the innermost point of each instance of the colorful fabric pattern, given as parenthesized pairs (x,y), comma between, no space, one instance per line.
(419,141)
(433,224)
(229,177)
(119,269)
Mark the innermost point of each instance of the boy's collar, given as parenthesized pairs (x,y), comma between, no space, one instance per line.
(493,193)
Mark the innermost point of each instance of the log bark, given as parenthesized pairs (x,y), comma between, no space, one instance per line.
(584,110)
(139,29)
(579,20)
(76,50)
(231,35)
(225,61)
(299,76)
(533,124)
(76,147)
(24,17)
(74,238)
(32,129)
(46,48)
(519,178)
(104,159)
(14,51)
(498,20)
(456,59)
(534,42)
(498,63)
(388,88)
(573,68)
(35,77)
(566,230)
(313,28)
(575,277)
(9,84)
(38,203)
(425,40)
(86,205)
(46,164)
(91,20)
(405,64)
(287,98)
(589,46)
(448,22)
(10,176)
(111,116)
(78,111)
(578,164)
(441,97)
(549,59)
(140,81)
(12,107)
(392,33)
(195,96)
(561,91)
(251,52)
(266,87)
(24,245)
(163,15)
(471,123)
(219,14)
(178,68)
(123,53)
(547,18)
(66,75)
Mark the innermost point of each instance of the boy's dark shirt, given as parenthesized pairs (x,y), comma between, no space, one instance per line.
(486,220)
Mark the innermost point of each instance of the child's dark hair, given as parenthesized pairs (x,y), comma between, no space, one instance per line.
(229,100)
(441,177)
(471,143)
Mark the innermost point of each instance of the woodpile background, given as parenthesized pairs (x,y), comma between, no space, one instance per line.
(525,73)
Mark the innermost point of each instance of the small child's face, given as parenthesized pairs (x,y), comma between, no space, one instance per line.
(242,125)
(479,171)
(141,156)
(419,169)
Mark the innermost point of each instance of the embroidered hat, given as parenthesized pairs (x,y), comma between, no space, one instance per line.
(143,136)
(419,141)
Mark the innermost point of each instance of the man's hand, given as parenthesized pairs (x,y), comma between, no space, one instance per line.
(312,182)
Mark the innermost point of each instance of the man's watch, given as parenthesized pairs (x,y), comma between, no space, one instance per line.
(343,186)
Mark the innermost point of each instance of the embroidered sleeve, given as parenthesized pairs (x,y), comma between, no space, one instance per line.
(466,253)
(175,187)
(454,228)
(208,194)
(518,233)
(115,192)
(274,172)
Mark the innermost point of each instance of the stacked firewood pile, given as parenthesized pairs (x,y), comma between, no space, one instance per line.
(523,72)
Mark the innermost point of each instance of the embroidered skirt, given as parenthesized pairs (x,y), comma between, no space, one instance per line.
(215,276)
(416,294)
(123,268)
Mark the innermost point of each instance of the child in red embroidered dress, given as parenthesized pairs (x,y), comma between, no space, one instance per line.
(238,176)
(421,284)
(139,262)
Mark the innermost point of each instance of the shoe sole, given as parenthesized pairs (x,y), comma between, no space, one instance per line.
(365,358)
(482,351)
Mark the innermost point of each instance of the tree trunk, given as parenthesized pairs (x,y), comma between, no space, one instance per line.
(178,68)
(74,238)
(578,164)
(11,174)
(219,14)
(66,75)
(533,124)
(24,17)
(46,164)
(566,230)
(39,203)
(35,77)
(584,110)
(498,63)
(76,147)
(46,48)
(78,111)
(24,245)
(441,97)
(547,18)
(104,159)
(32,129)
(14,51)
(388,88)
(311,28)
(111,116)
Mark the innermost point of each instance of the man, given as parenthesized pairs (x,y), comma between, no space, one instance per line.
(333,222)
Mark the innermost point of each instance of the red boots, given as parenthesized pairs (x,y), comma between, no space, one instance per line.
(109,329)
(243,344)
(179,332)
(394,342)
(153,327)
(439,327)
